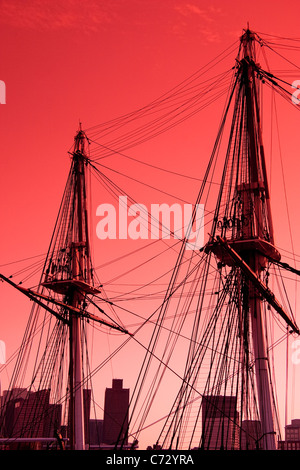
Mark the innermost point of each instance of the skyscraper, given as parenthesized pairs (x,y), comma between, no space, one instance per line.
(29,415)
(219,418)
(251,436)
(116,414)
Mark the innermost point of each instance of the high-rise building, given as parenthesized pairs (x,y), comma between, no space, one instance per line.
(292,431)
(292,436)
(219,418)
(251,436)
(29,414)
(96,433)
(116,406)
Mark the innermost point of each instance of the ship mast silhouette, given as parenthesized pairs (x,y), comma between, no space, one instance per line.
(251,242)
(68,279)
(72,279)
(231,343)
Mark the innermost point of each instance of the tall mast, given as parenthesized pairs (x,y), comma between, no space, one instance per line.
(68,276)
(73,280)
(253,194)
(79,252)
(246,243)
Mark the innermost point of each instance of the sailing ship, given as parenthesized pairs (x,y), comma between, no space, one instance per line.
(216,309)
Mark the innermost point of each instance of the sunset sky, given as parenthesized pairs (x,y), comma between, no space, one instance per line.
(71,61)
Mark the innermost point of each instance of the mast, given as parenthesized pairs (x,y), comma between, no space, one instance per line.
(79,250)
(73,282)
(246,243)
(254,239)
(65,291)
(225,398)
(257,188)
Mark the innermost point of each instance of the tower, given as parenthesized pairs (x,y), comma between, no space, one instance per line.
(116,414)
(219,418)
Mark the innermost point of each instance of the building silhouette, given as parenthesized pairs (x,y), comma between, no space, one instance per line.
(115,423)
(33,422)
(29,415)
(95,433)
(219,418)
(251,437)
(292,436)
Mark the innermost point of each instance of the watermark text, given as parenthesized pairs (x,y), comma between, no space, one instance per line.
(295,94)
(2,92)
(2,352)
(160,222)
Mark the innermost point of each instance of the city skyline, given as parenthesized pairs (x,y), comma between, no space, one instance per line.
(29,415)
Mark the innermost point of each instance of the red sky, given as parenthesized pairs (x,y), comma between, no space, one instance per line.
(92,61)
